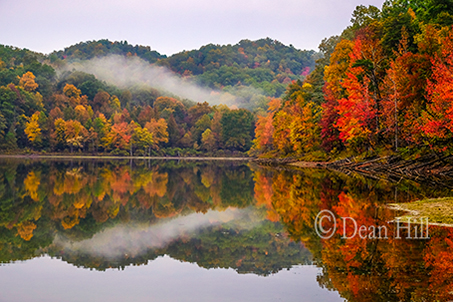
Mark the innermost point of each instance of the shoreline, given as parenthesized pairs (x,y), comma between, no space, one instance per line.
(433,168)
(110,157)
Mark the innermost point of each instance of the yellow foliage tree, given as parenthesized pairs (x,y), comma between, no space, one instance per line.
(71,91)
(27,81)
(32,127)
(208,140)
(304,129)
(82,114)
(158,129)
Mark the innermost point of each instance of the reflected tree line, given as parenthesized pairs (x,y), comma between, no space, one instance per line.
(368,269)
(76,200)
(41,200)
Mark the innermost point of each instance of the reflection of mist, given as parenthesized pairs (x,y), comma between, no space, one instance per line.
(127,72)
(131,240)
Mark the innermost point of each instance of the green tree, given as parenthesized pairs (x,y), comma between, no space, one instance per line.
(237,127)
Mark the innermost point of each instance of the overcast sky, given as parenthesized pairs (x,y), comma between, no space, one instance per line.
(171,26)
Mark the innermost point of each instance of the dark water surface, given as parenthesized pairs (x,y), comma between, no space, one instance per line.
(87,230)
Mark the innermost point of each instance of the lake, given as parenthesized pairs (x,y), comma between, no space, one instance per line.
(155,230)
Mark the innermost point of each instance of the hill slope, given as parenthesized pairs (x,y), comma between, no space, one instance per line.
(266,65)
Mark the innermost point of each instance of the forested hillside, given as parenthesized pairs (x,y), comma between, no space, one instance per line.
(383,85)
(92,49)
(52,207)
(47,105)
(265,65)
(76,112)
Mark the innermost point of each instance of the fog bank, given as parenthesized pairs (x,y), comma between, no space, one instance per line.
(126,72)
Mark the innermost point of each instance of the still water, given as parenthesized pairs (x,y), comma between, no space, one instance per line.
(87,230)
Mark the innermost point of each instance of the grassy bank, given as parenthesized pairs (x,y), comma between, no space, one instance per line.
(439,211)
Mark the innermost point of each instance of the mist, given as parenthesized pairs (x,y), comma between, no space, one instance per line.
(126,72)
(129,240)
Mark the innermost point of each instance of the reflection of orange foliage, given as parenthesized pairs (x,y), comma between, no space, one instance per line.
(367,268)
(145,200)
(439,258)
(121,182)
(263,194)
(58,188)
(101,196)
(157,184)
(82,200)
(72,217)
(263,189)
(69,222)
(25,230)
(361,269)
(354,250)
(296,200)
(104,192)
(55,199)
(215,195)
(111,187)
(73,182)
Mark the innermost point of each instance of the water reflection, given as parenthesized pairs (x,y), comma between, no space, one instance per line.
(100,215)
(363,269)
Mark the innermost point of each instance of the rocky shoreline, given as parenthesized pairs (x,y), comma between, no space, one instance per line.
(431,168)
(427,168)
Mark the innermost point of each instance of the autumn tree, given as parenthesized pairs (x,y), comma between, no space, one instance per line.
(265,129)
(334,76)
(142,139)
(304,129)
(281,123)
(59,134)
(75,134)
(102,126)
(118,137)
(33,130)
(199,110)
(438,118)
(158,130)
(81,114)
(145,115)
(203,123)
(27,81)
(101,100)
(208,141)
(404,96)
